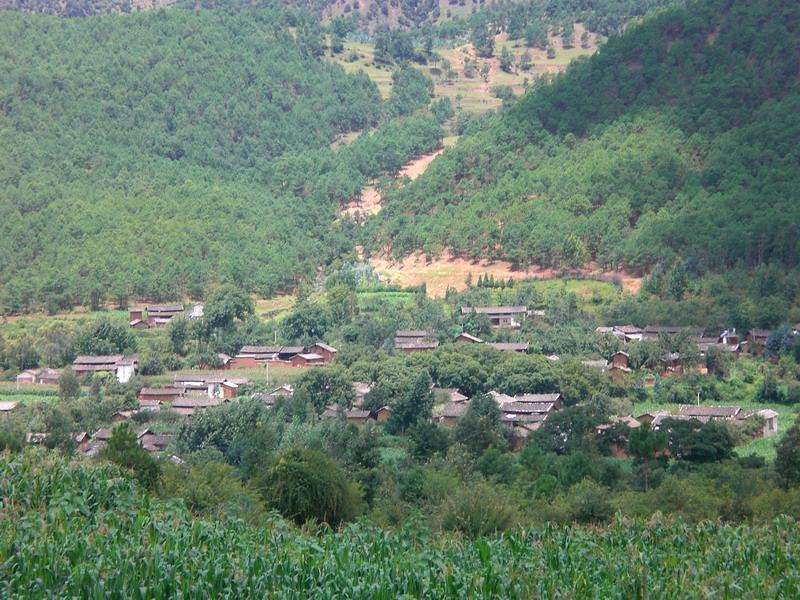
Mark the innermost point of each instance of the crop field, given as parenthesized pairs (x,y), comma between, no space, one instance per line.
(75,530)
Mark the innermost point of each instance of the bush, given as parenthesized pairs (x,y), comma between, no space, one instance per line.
(589,502)
(478,510)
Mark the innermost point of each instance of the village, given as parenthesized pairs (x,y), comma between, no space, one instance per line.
(521,414)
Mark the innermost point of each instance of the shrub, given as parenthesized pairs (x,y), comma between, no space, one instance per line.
(479,510)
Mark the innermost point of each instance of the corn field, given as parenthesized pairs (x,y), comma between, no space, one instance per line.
(77,530)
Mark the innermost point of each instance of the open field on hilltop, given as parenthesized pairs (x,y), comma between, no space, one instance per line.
(470,94)
(271,308)
(369,301)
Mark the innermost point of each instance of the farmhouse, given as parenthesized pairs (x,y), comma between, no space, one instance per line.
(757,340)
(158,395)
(619,361)
(328,353)
(519,348)
(414,341)
(448,395)
(159,315)
(122,367)
(653,332)
(190,404)
(360,389)
(452,412)
(500,316)
(251,357)
(44,376)
(309,359)
(704,414)
(467,338)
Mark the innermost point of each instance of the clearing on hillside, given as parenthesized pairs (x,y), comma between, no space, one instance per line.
(448,271)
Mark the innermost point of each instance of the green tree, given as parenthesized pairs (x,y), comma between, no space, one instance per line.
(787,458)
(178,335)
(225,305)
(506,60)
(69,388)
(415,405)
(479,427)
(427,439)
(123,449)
(326,386)
(103,337)
(308,485)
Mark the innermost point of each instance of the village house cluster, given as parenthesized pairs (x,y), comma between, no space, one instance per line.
(160,315)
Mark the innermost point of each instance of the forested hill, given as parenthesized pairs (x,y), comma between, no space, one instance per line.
(676,142)
(154,154)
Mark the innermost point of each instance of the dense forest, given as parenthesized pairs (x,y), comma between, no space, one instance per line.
(675,142)
(148,155)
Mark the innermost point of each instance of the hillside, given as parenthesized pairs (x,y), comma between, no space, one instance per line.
(674,141)
(151,155)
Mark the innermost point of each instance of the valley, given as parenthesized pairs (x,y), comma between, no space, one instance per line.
(372,299)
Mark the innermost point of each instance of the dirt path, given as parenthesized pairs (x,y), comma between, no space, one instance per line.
(369,202)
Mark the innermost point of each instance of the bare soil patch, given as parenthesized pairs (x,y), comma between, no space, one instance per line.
(450,271)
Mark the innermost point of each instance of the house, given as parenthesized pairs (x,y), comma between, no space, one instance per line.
(468,338)
(7,407)
(328,353)
(137,314)
(414,341)
(220,387)
(188,405)
(159,315)
(28,376)
(152,442)
(45,376)
(286,353)
(729,337)
(360,389)
(449,395)
(225,360)
(35,438)
(251,357)
(757,340)
(710,413)
(122,367)
(500,316)
(357,416)
(283,390)
(82,439)
(628,333)
(653,332)
(619,361)
(542,399)
(519,348)
(382,414)
(671,363)
(600,365)
(308,359)
(452,412)
(122,416)
(195,312)
(165,394)
(770,422)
